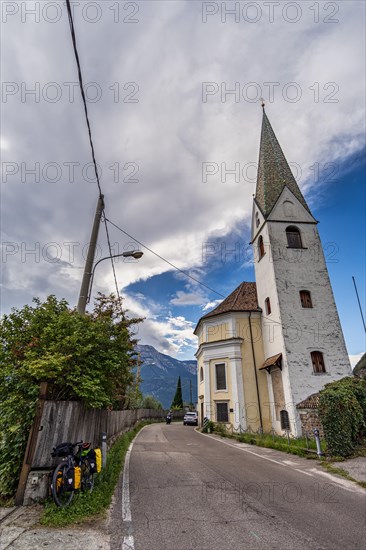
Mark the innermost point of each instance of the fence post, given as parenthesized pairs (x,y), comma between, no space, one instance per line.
(104,449)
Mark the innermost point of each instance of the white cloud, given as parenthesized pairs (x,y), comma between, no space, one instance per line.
(187,298)
(167,333)
(354,359)
(211,305)
(168,134)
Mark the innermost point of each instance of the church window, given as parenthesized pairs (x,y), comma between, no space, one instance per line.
(318,362)
(201,374)
(293,237)
(305,298)
(222,413)
(261,247)
(220,376)
(267,303)
(257,220)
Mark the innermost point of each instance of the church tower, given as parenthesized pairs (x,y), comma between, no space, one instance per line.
(304,348)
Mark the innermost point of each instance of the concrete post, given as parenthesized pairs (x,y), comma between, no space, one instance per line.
(104,449)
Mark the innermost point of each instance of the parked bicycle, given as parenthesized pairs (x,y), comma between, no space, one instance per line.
(75,471)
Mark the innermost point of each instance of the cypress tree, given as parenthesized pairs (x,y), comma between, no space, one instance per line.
(178,399)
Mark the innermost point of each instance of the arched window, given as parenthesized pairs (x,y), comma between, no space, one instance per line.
(261,247)
(305,298)
(267,303)
(201,374)
(257,220)
(318,362)
(293,237)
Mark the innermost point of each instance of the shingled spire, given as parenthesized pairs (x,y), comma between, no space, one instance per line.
(273,171)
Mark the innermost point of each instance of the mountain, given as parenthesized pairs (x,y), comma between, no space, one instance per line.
(160,372)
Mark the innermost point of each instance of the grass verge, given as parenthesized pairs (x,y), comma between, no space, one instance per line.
(339,471)
(88,506)
(296,446)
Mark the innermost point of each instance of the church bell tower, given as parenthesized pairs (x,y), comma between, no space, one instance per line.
(304,347)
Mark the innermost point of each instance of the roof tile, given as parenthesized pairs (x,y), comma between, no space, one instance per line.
(244,298)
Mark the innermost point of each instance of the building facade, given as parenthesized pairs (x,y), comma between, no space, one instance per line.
(279,339)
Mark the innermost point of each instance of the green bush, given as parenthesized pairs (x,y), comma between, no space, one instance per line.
(221,429)
(210,426)
(342,411)
(150,402)
(85,358)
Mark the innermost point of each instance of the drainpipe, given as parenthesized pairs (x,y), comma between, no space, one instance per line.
(255,373)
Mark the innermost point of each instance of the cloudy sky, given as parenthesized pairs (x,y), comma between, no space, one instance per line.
(173,92)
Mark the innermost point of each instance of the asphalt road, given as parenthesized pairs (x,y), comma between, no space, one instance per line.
(189,491)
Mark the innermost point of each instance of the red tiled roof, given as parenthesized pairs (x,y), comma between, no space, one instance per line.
(244,298)
(311,402)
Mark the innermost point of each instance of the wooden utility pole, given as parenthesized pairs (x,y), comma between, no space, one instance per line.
(138,367)
(85,285)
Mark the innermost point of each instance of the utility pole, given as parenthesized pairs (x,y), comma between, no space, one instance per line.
(190,393)
(359,303)
(84,290)
(138,369)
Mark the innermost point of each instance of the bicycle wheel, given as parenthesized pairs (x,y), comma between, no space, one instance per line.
(87,478)
(61,493)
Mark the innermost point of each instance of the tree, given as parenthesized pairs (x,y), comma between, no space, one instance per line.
(150,402)
(86,358)
(178,399)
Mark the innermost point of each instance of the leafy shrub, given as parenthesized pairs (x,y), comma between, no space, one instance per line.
(210,426)
(150,402)
(221,429)
(342,411)
(86,358)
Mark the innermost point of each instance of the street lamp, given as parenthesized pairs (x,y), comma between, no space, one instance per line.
(137,254)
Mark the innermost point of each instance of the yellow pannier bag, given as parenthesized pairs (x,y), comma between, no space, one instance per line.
(98,459)
(77,477)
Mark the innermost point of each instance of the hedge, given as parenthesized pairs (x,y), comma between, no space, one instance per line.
(342,411)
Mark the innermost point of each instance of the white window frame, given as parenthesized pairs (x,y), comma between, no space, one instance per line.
(226,385)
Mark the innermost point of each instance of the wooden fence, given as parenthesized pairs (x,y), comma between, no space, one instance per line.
(59,421)
(71,421)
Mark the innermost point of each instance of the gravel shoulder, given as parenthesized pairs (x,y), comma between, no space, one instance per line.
(20,530)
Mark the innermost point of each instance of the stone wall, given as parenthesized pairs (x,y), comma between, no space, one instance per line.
(310,420)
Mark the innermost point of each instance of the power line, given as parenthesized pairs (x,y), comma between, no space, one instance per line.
(113,266)
(165,260)
(81,86)
(105,219)
(206,286)
(73,37)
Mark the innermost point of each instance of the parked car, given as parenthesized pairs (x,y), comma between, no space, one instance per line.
(190,418)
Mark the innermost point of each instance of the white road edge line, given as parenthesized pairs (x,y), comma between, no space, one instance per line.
(343,483)
(128,540)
